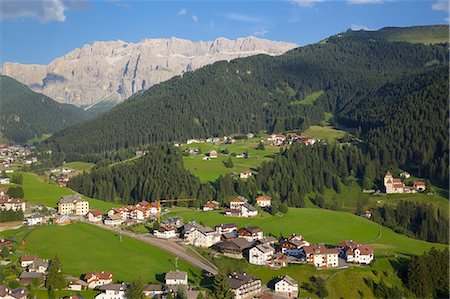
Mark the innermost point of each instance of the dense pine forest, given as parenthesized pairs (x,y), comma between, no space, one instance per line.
(25,114)
(393,93)
(253,94)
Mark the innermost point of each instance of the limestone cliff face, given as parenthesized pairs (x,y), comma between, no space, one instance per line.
(116,70)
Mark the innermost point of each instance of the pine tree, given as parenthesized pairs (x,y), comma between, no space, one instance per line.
(55,277)
(136,290)
(229,163)
(222,287)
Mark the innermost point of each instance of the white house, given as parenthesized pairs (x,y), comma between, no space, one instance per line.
(287,286)
(112,291)
(26,260)
(355,253)
(236,203)
(321,256)
(35,220)
(153,290)
(94,216)
(211,205)
(4,180)
(73,204)
(96,279)
(247,210)
(165,232)
(260,254)
(244,286)
(11,204)
(263,201)
(202,236)
(245,174)
(176,278)
(114,220)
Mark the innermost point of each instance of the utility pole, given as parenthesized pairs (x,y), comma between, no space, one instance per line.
(120,235)
(176,263)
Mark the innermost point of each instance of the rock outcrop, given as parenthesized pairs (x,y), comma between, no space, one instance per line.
(115,70)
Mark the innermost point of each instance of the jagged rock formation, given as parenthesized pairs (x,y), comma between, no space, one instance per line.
(115,70)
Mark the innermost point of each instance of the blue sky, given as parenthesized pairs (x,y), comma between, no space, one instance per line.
(38,31)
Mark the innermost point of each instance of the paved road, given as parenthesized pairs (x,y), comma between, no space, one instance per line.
(170,246)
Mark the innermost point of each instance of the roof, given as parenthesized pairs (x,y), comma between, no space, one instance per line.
(113,287)
(388,173)
(115,217)
(289,280)
(237,200)
(96,213)
(28,258)
(268,239)
(239,279)
(263,198)
(249,207)
(71,199)
(99,275)
(264,248)
(318,249)
(347,243)
(153,287)
(176,275)
(419,183)
(227,225)
(253,229)
(237,243)
(32,275)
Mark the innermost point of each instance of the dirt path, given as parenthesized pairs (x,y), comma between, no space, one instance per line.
(167,245)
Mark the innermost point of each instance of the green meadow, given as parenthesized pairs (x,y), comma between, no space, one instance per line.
(83,247)
(320,226)
(43,191)
(327,133)
(80,166)
(309,100)
(210,170)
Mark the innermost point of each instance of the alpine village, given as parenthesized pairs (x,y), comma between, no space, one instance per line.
(225,169)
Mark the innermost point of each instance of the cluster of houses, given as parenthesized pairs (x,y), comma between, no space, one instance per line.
(279,139)
(396,185)
(10,204)
(13,154)
(62,175)
(239,207)
(250,243)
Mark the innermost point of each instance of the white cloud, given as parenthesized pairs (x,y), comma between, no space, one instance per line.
(355,27)
(242,18)
(306,3)
(260,32)
(440,5)
(194,18)
(42,10)
(182,12)
(365,1)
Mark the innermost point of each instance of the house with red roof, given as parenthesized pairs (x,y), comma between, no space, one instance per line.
(94,216)
(353,252)
(96,279)
(321,256)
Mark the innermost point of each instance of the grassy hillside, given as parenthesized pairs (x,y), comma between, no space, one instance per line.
(83,247)
(417,34)
(212,169)
(41,191)
(319,225)
(25,114)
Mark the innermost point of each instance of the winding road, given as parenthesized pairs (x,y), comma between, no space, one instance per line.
(168,245)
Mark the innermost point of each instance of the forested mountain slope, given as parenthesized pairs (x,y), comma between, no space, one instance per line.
(25,114)
(250,94)
(417,34)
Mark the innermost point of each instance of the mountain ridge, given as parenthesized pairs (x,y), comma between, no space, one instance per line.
(115,70)
(25,114)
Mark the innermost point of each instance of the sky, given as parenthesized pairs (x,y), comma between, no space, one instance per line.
(38,31)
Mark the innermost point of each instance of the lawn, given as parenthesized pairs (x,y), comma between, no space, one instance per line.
(327,133)
(38,139)
(79,166)
(83,247)
(320,225)
(309,100)
(210,170)
(44,191)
